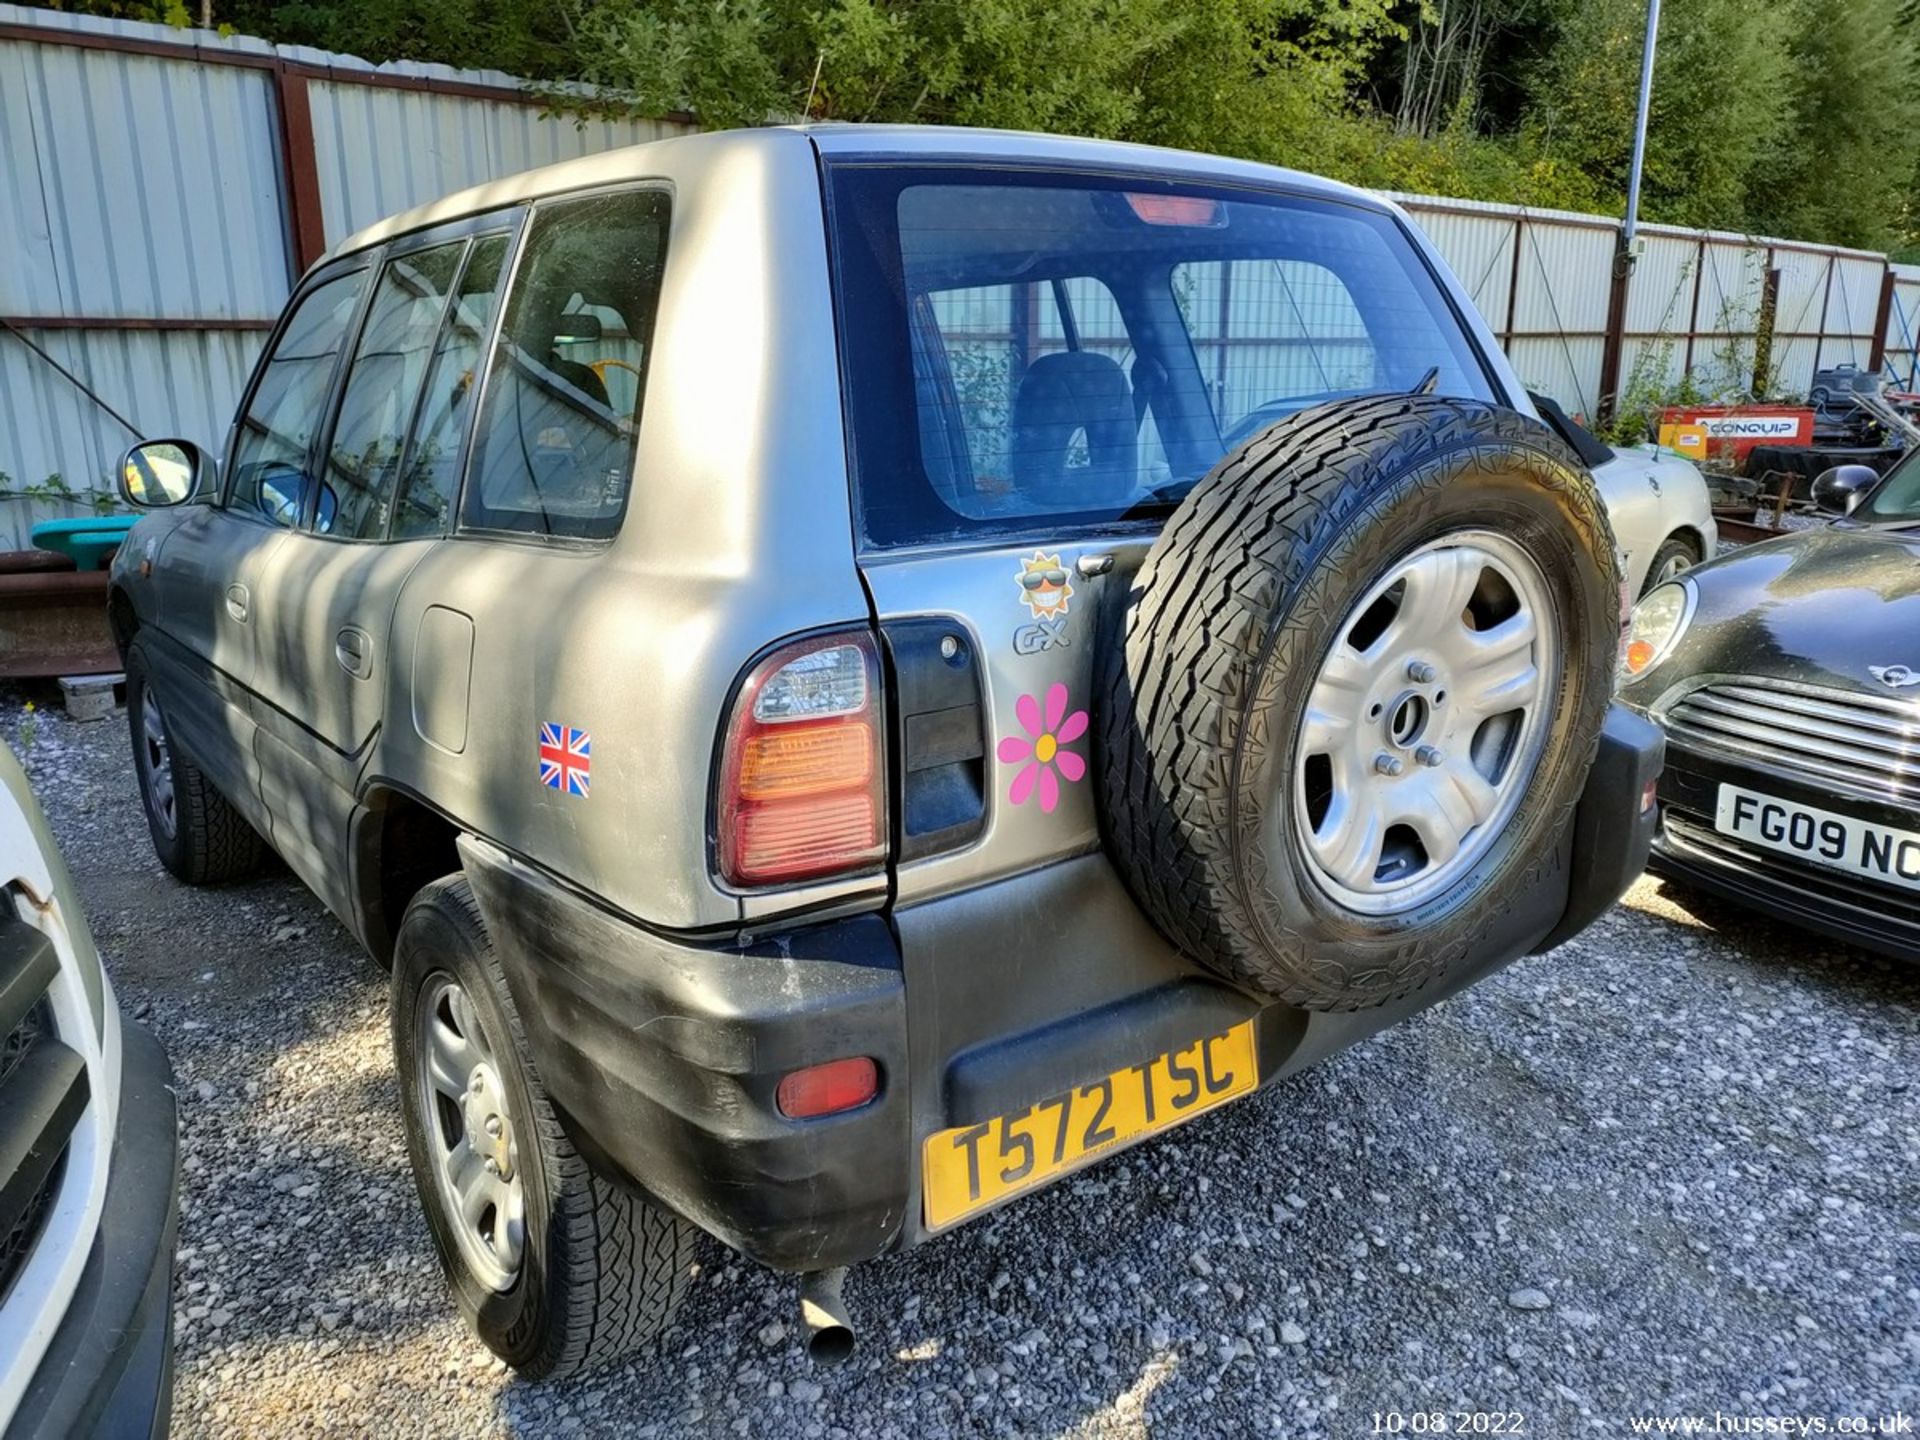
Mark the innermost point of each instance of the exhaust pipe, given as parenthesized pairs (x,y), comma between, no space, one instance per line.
(824,1312)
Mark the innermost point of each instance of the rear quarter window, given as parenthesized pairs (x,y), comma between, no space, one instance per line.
(1025,351)
(554,447)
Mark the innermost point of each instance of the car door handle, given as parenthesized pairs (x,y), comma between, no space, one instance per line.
(353,648)
(237,598)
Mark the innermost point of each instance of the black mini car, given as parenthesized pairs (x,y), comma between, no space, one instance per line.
(1787,678)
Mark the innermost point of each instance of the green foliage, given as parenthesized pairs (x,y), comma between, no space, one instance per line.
(1647,392)
(1222,73)
(1798,117)
(1848,175)
(532,38)
(1719,101)
(1272,80)
(55,490)
(715,57)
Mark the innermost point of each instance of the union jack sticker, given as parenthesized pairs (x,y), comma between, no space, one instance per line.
(566,754)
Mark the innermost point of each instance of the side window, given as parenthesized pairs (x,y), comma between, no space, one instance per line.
(1272,333)
(431,474)
(377,402)
(274,444)
(553,451)
(1031,391)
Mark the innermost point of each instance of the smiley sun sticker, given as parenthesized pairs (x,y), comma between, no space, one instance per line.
(1043,748)
(1044,586)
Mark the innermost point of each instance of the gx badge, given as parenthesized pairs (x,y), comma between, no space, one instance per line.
(1046,633)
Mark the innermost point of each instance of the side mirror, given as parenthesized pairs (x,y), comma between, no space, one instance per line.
(1840,489)
(156,474)
(279,491)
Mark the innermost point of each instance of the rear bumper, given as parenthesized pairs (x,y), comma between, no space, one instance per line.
(1614,828)
(109,1371)
(663,1057)
(1875,917)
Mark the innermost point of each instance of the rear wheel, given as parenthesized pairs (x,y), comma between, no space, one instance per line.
(556,1268)
(1676,555)
(198,836)
(1361,683)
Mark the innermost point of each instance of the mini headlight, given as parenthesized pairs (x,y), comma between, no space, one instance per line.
(1658,621)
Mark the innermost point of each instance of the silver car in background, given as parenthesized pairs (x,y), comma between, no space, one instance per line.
(89,1143)
(1657,501)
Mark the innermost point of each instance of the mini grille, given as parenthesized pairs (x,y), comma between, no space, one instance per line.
(1833,738)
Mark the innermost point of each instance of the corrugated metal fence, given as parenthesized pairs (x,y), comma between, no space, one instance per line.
(1694,305)
(1903,327)
(160,190)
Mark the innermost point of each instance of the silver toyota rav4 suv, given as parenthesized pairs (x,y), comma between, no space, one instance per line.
(783,644)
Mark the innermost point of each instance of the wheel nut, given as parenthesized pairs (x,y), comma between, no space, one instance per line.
(1428,756)
(1421,673)
(493,1166)
(1388,764)
(493,1126)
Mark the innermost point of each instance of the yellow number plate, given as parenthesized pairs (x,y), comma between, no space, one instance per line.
(969,1168)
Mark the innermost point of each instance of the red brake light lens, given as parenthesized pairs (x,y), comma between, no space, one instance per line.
(1189,211)
(828,1089)
(802,785)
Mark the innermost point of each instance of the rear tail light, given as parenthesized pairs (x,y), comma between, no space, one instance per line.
(802,784)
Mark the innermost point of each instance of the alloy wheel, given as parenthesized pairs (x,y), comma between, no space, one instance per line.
(1676,565)
(156,770)
(470,1134)
(1425,722)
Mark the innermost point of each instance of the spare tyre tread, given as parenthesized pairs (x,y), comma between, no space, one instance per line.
(1310,464)
(1311,454)
(1234,556)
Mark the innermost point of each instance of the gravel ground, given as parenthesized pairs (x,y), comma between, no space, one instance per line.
(1673,1167)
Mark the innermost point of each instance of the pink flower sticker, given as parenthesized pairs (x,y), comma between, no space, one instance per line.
(1044,752)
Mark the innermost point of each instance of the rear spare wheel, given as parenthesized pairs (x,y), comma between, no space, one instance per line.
(1359,686)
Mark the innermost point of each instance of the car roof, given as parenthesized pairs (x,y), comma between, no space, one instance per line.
(847,142)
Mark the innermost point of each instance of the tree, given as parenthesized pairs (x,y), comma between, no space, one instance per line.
(534,38)
(1720,101)
(1845,168)
(1798,117)
(1445,58)
(1221,73)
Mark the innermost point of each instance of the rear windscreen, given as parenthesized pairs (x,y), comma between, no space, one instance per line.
(1027,350)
